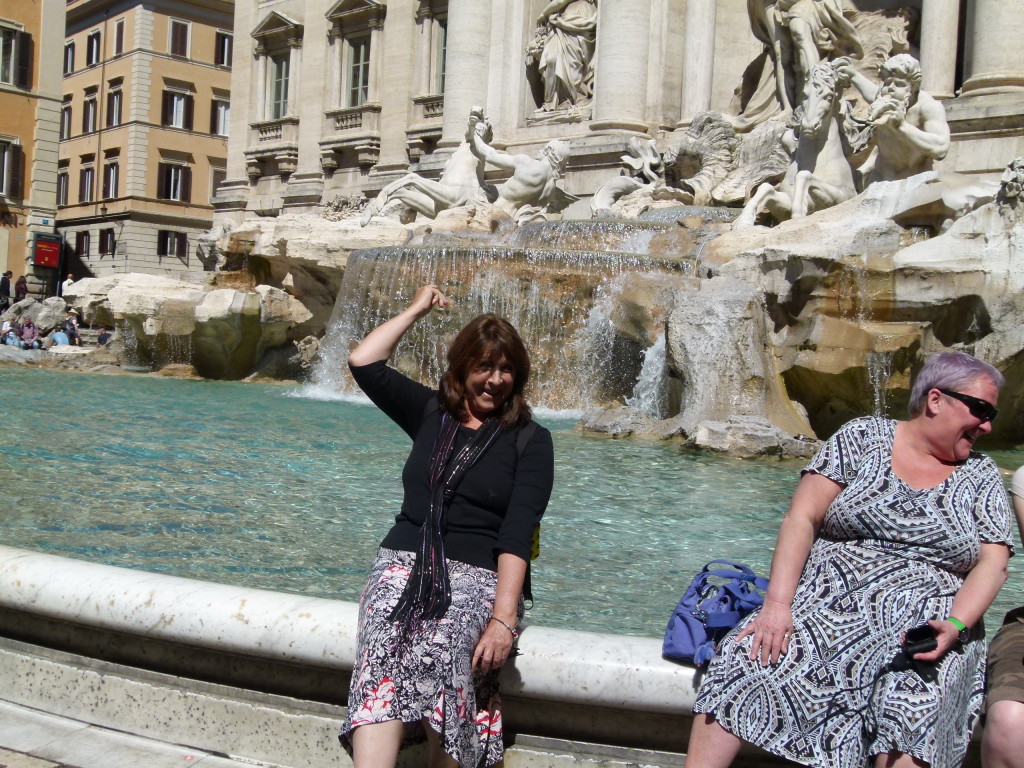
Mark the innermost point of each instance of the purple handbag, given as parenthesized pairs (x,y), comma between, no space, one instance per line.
(715,602)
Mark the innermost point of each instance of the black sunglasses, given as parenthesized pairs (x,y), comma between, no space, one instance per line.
(980,409)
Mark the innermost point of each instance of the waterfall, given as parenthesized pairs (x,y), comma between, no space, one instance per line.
(561,302)
(879,371)
(650,395)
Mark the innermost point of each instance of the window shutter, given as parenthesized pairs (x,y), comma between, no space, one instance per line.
(181,246)
(16,171)
(186,185)
(165,113)
(188,112)
(161,182)
(24,75)
(213,116)
(81,185)
(119,38)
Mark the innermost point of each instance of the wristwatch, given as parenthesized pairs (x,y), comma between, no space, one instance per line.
(965,633)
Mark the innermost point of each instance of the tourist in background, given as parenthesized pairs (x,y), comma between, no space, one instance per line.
(66,285)
(103,337)
(5,290)
(70,327)
(29,335)
(1002,742)
(440,613)
(20,289)
(893,525)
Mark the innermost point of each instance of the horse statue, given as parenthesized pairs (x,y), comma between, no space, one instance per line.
(820,174)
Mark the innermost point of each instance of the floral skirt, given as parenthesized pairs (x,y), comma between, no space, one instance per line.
(428,675)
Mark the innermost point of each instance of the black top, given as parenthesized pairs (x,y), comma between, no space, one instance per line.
(499,501)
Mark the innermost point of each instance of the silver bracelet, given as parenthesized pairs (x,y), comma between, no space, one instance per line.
(515,635)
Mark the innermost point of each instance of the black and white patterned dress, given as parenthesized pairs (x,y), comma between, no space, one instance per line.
(888,557)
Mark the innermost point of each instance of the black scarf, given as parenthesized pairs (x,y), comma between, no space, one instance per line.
(428,592)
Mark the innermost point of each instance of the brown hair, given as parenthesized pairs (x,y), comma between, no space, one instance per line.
(486,338)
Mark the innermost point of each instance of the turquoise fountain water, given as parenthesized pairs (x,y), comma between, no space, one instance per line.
(259,486)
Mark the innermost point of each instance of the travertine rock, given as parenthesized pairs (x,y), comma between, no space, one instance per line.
(750,436)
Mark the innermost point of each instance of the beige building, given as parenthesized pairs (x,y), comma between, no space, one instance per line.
(337,97)
(143,126)
(30,39)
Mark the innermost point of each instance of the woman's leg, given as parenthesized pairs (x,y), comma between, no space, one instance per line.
(438,757)
(711,746)
(1002,741)
(898,760)
(376,745)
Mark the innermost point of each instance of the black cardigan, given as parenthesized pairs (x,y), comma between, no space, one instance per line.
(499,501)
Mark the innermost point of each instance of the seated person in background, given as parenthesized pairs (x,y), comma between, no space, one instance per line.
(12,334)
(1002,743)
(894,524)
(57,339)
(29,335)
(70,327)
(104,336)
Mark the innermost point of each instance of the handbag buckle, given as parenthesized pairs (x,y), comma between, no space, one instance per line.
(700,615)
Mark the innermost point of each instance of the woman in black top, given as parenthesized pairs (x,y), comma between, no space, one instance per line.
(440,613)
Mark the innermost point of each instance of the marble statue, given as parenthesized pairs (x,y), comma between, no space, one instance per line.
(532,189)
(562,53)
(1011,185)
(909,126)
(820,175)
(797,34)
(461,183)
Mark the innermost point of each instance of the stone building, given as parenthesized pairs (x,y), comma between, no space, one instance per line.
(337,97)
(143,127)
(30,34)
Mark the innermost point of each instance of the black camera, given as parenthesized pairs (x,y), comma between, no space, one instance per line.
(919,640)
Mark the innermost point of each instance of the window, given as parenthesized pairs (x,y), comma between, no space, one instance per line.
(119,37)
(442,54)
(224,46)
(62,187)
(278,86)
(92,49)
(171,243)
(15,57)
(69,58)
(89,113)
(177,110)
(219,114)
(107,243)
(86,183)
(65,120)
(179,38)
(10,169)
(217,177)
(113,107)
(174,182)
(110,172)
(358,70)
(82,244)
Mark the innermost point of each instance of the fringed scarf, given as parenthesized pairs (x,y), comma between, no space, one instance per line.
(428,592)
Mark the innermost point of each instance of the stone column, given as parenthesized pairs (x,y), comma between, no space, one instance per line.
(698,55)
(620,77)
(376,61)
(995,32)
(940,21)
(337,77)
(260,65)
(294,68)
(469,32)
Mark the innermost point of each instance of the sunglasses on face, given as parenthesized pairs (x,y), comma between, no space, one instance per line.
(980,409)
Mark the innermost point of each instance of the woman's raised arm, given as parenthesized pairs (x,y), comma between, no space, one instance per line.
(382,340)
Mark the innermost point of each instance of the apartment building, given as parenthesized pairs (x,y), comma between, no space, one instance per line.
(31,32)
(143,132)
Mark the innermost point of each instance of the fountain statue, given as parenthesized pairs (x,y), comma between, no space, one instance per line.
(820,175)
(909,127)
(461,182)
(560,56)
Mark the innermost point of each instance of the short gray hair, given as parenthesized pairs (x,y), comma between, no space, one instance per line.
(949,370)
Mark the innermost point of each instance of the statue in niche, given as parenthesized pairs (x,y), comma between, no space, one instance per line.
(561,54)
(820,174)
(532,189)
(461,182)
(908,126)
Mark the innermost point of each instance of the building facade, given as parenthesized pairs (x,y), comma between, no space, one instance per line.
(143,126)
(337,97)
(30,39)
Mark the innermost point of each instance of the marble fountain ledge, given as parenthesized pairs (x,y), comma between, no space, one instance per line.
(557,665)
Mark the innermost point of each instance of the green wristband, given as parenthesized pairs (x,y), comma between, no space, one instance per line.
(956,623)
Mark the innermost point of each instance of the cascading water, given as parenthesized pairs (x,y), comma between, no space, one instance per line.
(650,395)
(561,302)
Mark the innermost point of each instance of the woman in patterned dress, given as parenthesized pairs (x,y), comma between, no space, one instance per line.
(440,613)
(893,525)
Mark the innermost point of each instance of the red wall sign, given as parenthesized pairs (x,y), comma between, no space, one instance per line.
(47,250)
